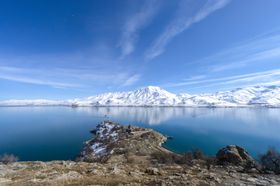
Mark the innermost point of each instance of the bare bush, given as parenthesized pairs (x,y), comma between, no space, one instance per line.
(8,158)
(166,158)
(209,161)
(198,154)
(185,158)
(270,161)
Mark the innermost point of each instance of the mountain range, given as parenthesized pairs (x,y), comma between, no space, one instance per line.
(262,96)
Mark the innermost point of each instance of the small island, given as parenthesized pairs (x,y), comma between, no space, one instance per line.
(130,155)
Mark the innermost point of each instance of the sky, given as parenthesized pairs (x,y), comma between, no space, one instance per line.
(66,49)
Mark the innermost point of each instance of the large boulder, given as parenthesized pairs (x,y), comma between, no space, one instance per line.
(235,155)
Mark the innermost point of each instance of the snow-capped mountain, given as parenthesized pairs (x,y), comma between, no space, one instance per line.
(145,96)
(268,96)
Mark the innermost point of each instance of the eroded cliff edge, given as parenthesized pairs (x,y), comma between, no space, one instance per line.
(130,155)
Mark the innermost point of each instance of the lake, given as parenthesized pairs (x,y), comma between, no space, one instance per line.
(58,133)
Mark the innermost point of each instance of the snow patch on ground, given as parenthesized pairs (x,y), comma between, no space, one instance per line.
(98,148)
(104,132)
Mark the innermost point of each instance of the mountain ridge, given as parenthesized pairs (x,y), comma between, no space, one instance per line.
(266,96)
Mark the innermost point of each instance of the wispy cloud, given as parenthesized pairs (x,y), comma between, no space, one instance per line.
(257,78)
(135,23)
(262,48)
(133,79)
(182,23)
(247,56)
(37,81)
(24,75)
(67,78)
(197,77)
(241,57)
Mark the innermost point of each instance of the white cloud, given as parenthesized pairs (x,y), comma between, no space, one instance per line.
(68,78)
(263,48)
(264,77)
(195,77)
(135,23)
(248,55)
(37,81)
(182,23)
(133,79)
(246,59)
(30,76)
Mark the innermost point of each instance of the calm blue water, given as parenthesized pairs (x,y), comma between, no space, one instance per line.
(58,133)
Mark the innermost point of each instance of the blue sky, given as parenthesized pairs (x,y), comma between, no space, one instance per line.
(66,49)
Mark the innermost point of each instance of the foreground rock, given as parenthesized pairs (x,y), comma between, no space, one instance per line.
(122,155)
(235,155)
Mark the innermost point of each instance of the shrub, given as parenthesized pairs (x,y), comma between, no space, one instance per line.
(209,161)
(187,158)
(166,158)
(198,154)
(8,158)
(270,161)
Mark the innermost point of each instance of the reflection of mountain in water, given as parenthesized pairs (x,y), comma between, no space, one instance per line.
(158,115)
(148,115)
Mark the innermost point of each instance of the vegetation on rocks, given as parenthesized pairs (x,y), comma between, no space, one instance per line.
(270,161)
(8,158)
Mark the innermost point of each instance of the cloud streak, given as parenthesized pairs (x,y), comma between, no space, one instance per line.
(248,56)
(132,80)
(24,75)
(263,48)
(28,80)
(134,24)
(263,77)
(182,23)
(236,61)
(67,78)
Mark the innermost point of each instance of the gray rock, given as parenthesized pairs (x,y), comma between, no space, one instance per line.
(233,154)
(152,171)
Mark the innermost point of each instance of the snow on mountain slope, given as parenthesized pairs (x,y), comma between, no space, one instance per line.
(268,96)
(150,95)
(208,100)
(257,95)
(241,96)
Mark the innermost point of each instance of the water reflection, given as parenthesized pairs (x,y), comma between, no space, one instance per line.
(46,133)
(257,121)
(148,115)
(206,128)
(158,115)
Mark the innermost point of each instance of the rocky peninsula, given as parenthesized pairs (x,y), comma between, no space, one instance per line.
(130,155)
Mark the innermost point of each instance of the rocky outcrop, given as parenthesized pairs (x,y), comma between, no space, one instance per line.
(113,140)
(233,154)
